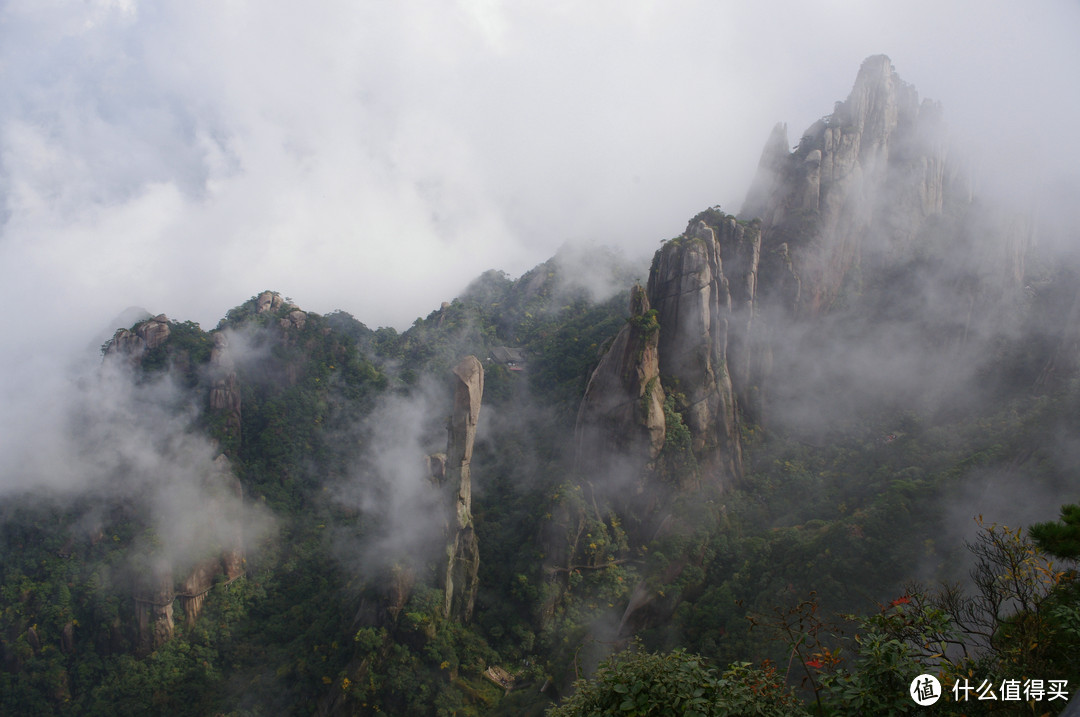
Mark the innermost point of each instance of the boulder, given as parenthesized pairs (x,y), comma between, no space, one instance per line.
(133,343)
(268,301)
(154,332)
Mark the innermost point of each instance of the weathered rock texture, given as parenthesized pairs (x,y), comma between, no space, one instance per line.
(689,337)
(296,319)
(133,343)
(700,308)
(622,413)
(268,301)
(868,219)
(462,553)
(871,224)
(861,182)
(224,512)
(436,468)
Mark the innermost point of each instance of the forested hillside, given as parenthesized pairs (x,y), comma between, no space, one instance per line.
(813,451)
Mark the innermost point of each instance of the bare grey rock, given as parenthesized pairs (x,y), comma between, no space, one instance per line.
(192,591)
(861,182)
(132,344)
(233,560)
(768,187)
(295,320)
(691,336)
(459,580)
(34,641)
(125,343)
(268,301)
(699,309)
(154,332)
(621,417)
(435,468)
(67,638)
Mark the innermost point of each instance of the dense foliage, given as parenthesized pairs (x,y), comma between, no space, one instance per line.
(792,595)
(676,683)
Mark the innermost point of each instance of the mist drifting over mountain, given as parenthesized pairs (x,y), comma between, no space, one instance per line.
(552,346)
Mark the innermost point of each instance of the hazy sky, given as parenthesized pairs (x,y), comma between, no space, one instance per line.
(375,156)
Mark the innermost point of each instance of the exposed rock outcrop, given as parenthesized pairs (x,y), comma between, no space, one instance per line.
(268,301)
(133,343)
(621,418)
(435,465)
(158,589)
(296,319)
(459,580)
(154,608)
(699,308)
(67,638)
(191,592)
(690,336)
(860,184)
(868,211)
(233,551)
(870,227)
(154,332)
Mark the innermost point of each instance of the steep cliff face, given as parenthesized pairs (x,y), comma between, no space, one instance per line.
(622,413)
(154,598)
(690,346)
(462,552)
(159,587)
(705,318)
(690,338)
(870,228)
(224,512)
(859,185)
(225,391)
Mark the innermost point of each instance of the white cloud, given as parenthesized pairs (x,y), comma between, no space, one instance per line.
(375,157)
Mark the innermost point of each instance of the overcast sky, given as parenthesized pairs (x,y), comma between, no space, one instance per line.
(375,156)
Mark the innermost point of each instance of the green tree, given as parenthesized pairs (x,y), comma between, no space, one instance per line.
(633,682)
(1062,538)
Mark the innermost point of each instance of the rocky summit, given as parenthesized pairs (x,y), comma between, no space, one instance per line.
(544,497)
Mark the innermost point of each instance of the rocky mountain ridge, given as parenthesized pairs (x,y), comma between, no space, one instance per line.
(860,184)
(867,226)
(638,470)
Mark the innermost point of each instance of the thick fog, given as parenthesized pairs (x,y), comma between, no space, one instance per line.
(182,156)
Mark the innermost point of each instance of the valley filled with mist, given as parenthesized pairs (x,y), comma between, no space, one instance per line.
(786,464)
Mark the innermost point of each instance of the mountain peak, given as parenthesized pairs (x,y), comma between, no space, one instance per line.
(861,180)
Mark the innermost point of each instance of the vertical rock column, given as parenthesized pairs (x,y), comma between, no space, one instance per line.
(462,555)
(691,294)
(620,423)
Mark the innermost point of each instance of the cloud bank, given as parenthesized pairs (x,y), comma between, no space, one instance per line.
(183,156)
